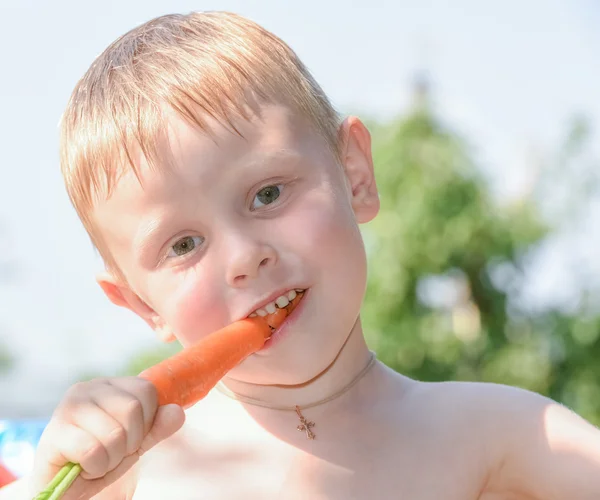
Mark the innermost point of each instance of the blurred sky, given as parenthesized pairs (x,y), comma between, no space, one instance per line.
(508,74)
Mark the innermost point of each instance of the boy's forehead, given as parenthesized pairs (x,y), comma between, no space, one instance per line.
(274,134)
(267,127)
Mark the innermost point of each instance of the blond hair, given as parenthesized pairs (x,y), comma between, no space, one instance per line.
(211,61)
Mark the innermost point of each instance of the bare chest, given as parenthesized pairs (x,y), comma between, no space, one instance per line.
(270,469)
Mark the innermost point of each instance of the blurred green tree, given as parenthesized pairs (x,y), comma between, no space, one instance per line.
(446,269)
(6,359)
(7,273)
(151,357)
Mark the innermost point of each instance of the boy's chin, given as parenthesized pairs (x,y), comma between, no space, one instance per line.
(287,369)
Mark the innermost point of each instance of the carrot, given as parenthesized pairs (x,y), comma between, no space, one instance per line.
(274,320)
(188,376)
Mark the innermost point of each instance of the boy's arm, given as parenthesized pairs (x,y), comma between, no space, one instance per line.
(544,450)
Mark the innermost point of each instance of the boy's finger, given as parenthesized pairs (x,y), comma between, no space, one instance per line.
(107,431)
(168,420)
(124,408)
(145,392)
(69,443)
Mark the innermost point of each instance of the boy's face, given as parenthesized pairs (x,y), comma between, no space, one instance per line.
(239,219)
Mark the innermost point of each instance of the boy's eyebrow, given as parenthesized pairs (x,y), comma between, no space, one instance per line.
(145,239)
(272,156)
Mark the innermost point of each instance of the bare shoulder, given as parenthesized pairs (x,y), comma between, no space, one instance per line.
(512,416)
(490,405)
(466,404)
(503,417)
(532,445)
(462,416)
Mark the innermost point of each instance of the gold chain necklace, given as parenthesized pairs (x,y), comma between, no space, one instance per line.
(305,425)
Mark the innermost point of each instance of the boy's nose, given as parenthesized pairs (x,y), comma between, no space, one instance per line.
(248,261)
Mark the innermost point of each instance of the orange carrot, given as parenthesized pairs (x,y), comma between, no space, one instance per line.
(274,320)
(189,375)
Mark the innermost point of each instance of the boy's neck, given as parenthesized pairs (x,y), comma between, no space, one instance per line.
(350,361)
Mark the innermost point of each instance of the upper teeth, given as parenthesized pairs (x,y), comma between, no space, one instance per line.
(281,302)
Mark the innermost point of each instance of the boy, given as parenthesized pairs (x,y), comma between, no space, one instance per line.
(217,182)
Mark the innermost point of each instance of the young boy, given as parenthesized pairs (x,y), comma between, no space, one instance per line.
(217,182)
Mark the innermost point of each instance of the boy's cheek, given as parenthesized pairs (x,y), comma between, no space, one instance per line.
(190,305)
(335,239)
(324,228)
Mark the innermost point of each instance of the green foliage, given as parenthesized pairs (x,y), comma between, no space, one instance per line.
(446,267)
(6,359)
(7,273)
(151,357)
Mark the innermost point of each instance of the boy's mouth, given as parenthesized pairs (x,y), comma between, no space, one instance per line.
(276,311)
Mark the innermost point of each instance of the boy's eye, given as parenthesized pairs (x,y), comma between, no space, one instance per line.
(267,195)
(185,245)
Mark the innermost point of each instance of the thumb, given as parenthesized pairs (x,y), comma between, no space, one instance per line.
(168,420)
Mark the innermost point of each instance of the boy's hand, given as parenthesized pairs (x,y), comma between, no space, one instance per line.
(104,425)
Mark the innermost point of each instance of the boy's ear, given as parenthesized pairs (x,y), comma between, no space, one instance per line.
(121,295)
(357,160)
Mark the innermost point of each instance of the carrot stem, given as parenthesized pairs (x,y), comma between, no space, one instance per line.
(60,483)
(66,482)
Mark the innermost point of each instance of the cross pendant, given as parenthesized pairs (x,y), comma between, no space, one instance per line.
(305,425)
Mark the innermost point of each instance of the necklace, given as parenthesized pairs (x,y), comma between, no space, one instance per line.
(305,425)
